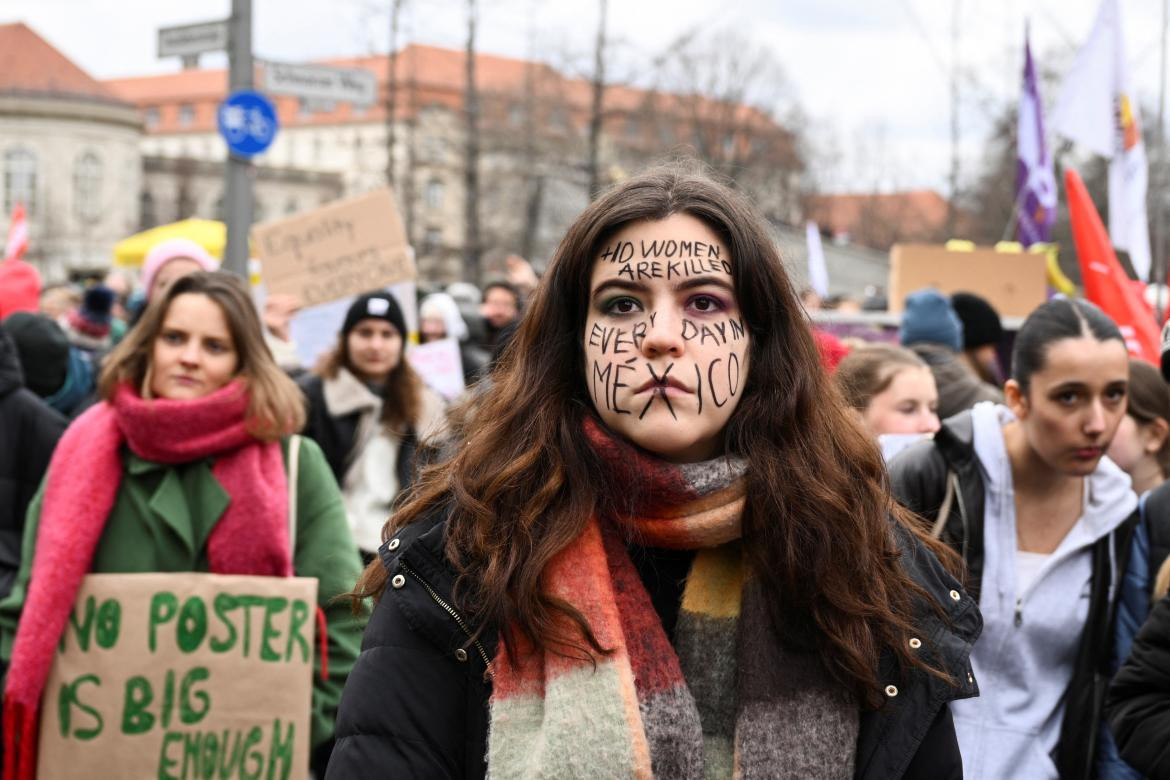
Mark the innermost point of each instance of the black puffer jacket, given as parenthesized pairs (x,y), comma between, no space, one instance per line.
(1139,698)
(919,476)
(416,702)
(29,430)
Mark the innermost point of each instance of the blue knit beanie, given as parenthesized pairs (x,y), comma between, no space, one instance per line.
(929,317)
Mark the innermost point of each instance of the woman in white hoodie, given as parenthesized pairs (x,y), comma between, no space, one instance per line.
(1044,522)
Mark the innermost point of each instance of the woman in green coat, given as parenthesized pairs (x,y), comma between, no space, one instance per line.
(182,468)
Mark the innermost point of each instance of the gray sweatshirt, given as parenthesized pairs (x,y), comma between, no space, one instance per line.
(1025,657)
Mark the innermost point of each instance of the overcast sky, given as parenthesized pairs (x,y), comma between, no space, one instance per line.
(873,75)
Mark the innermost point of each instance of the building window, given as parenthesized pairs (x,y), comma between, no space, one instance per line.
(633,130)
(147,217)
(558,120)
(152,117)
(291,206)
(20,180)
(434,194)
(432,239)
(186,204)
(87,186)
(516,114)
(186,114)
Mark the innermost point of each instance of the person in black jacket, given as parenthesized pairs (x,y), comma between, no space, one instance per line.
(663,545)
(1139,698)
(29,430)
(1044,523)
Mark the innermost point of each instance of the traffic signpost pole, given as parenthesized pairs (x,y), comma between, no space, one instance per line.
(238,207)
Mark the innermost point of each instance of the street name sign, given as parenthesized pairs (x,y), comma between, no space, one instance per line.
(321,83)
(190,39)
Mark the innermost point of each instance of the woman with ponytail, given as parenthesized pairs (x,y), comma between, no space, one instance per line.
(181,468)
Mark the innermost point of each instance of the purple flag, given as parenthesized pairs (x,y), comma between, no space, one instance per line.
(1035,181)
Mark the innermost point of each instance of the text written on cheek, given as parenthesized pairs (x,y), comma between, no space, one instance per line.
(627,340)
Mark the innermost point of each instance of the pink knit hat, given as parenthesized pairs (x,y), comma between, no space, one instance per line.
(174,249)
(20,287)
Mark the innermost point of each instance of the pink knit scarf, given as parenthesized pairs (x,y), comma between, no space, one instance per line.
(83,480)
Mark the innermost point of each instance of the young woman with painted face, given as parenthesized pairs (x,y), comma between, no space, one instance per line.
(368,410)
(1044,522)
(664,546)
(181,468)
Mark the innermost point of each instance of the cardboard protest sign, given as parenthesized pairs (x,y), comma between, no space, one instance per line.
(440,366)
(182,676)
(1014,283)
(340,250)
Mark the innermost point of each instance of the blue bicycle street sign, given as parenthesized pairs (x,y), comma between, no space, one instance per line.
(247,121)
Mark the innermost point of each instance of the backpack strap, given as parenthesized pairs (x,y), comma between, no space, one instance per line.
(944,509)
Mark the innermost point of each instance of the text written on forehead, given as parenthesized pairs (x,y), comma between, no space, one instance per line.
(665,259)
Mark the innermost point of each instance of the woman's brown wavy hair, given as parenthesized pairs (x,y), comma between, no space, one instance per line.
(524,481)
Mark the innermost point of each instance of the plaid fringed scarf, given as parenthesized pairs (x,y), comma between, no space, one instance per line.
(725,699)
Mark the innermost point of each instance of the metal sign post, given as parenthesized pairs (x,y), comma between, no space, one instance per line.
(238,206)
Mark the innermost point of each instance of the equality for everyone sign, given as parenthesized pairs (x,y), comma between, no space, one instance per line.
(182,676)
(340,250)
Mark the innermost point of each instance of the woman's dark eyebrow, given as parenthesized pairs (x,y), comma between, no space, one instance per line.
(703,281)
(619,284)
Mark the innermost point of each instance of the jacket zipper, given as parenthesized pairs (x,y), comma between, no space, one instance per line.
(450,611)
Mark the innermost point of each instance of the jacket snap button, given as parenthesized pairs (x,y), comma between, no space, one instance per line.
(398,581)
(461,654)
(955,595)
(891,691)
(970,678)
(393,544)
(915,642)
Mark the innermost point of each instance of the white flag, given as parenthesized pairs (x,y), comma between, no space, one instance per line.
(1096,109)
(818,272)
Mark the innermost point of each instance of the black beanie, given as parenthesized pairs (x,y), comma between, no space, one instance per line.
(981,325)
(43,349)
(374,306)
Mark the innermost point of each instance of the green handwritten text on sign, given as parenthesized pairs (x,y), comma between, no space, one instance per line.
(182,676)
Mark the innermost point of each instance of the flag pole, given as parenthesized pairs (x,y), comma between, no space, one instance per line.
(1160,263)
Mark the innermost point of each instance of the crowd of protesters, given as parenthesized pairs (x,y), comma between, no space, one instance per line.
(670,529)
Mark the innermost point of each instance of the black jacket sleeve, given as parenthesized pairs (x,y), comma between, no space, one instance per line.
(1138,707)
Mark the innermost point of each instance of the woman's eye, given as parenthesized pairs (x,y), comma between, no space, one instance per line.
(215,346)
(705,303)
(621,306)
(1067,398)
(1115,394)
(172,338)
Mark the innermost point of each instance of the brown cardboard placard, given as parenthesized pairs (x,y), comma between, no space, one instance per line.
(342,249)
(182,676)
(1014,283)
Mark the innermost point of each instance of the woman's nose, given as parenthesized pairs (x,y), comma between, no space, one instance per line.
(664,335)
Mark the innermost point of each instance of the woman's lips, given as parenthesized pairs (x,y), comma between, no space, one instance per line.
(186,381)
(666,385)
(1088,453)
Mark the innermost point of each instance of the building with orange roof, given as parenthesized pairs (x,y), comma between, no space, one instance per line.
(533,139)
(69,151)
(880,220)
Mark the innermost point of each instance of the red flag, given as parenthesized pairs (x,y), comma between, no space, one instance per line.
(1106,283)
(17,235)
